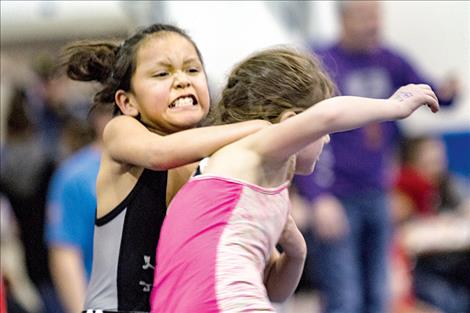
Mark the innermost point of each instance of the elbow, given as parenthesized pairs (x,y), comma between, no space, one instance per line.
(160,164)
(158,160)
(164,159)
(278,297)
(329,119)
(326,117)
(156,165)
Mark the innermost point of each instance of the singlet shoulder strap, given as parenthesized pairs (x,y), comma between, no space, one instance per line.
(200,168)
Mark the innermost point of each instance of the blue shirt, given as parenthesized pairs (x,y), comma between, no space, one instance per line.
(71,207)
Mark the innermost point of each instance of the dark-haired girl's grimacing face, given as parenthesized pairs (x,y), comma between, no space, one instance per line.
(169,86)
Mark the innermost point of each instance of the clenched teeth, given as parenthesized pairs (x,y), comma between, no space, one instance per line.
(182,102)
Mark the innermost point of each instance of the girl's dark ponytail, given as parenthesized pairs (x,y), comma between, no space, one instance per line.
(93,61)
(87,61)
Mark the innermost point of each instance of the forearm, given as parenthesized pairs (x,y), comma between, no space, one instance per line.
(202,142)
(347,112)
(69,277)
(283,276)
(343,113)
(127,141)
(328,116)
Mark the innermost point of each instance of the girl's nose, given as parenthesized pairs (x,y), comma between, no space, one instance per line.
(182,81)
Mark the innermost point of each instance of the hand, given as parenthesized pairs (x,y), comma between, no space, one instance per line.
(409,98)
(328,218)
(292,241)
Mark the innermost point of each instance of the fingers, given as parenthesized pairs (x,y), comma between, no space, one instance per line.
(430,92)
(431,99)
(432,103)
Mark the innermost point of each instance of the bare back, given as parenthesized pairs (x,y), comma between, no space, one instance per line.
(239,161)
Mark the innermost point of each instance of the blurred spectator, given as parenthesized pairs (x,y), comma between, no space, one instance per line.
(47,105)
(71,215)
(434,225)
(350,223)
(25,172)
(20,294)
(75,135)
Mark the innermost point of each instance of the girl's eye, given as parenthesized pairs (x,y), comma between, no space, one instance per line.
(161,74)
(193,70)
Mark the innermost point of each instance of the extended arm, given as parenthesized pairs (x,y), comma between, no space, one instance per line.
(128,141)
(280,141)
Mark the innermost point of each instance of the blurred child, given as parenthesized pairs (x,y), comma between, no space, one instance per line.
(432,227)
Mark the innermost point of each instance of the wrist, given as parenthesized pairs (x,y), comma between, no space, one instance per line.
(390,110)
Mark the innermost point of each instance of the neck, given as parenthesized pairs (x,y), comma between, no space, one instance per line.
(290,168)
(353,47)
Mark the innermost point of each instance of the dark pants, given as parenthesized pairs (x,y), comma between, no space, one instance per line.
(352,272)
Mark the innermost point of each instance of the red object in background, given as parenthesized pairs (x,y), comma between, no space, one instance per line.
(422,192)
(3,305)
(403,295)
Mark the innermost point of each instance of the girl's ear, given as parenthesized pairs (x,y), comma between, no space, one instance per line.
(286,114)
(125,103)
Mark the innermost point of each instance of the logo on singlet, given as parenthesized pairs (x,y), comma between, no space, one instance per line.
(147,265)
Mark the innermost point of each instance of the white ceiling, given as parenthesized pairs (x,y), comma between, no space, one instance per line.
(46,20)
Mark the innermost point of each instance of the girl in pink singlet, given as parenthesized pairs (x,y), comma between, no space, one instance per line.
(222,226)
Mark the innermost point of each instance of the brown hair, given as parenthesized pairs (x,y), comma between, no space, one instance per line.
(111,64)
(271,81)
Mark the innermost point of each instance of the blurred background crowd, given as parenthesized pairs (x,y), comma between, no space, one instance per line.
(386,215)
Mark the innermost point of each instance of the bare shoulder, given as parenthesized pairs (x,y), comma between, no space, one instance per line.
(246,160)
(235,160)
(120,123)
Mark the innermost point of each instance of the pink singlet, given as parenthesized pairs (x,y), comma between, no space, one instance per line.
(214,244)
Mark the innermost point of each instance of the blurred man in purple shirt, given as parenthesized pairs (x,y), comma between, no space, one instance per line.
(351,226)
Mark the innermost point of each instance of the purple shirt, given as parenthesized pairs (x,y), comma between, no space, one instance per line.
(357,160)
